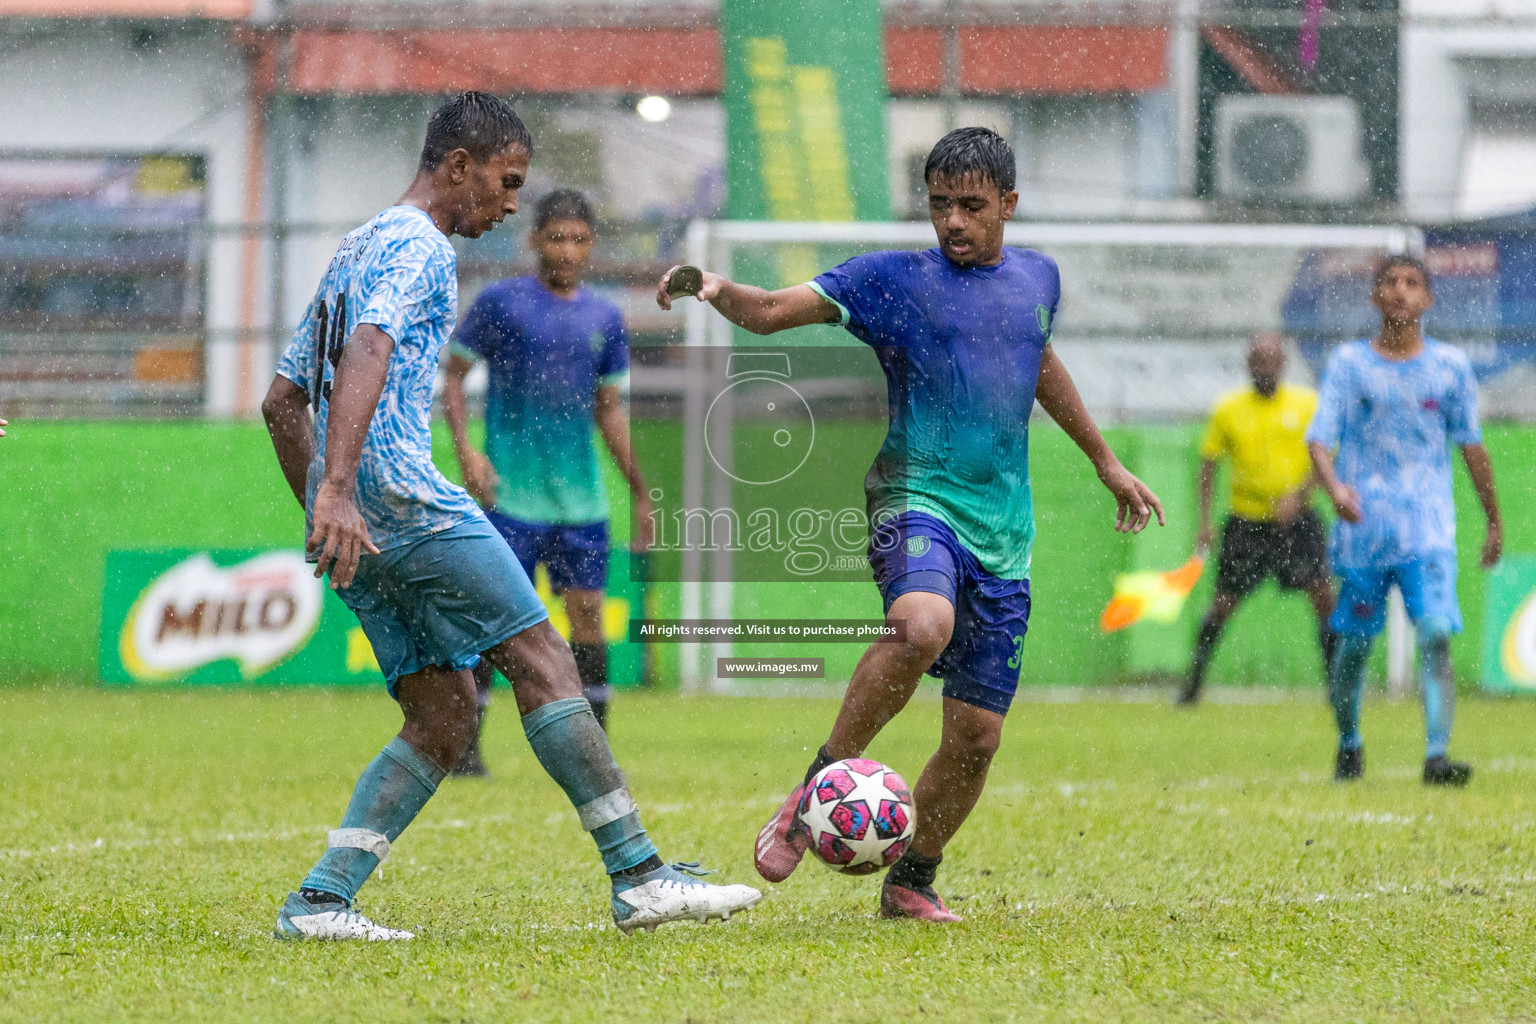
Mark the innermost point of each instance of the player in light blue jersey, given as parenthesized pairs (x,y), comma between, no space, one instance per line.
(433,584)
(1388,412)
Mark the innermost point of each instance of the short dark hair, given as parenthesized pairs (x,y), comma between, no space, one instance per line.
(477,122)
(973,152)
(1401,259)
(563,204)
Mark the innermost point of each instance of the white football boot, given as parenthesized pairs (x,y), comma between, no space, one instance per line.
(669,894)
(301,919)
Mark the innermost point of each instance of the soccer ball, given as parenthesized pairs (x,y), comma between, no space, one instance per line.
(860,816)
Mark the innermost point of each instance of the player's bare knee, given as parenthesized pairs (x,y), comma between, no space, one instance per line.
(539,664)
(927,635)
(973,743)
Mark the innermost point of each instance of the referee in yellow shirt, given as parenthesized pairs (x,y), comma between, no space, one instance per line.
(1272,528)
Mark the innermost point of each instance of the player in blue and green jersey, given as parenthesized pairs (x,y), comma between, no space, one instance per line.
(963,334)
(432,583)
(557,357)
(1391,407)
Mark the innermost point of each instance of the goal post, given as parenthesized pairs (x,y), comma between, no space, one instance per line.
(1152,324)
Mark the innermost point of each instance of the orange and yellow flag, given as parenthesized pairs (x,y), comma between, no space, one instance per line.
(1150,594)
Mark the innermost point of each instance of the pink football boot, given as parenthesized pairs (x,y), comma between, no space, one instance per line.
(783,841)
(920,904)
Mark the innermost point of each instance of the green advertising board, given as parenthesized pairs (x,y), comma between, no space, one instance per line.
(186,616)
(804,117)
(1509,627)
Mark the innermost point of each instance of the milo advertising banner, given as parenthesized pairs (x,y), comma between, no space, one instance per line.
(187,616)
(1509,627)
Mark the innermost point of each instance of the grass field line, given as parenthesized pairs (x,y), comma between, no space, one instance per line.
(101,843)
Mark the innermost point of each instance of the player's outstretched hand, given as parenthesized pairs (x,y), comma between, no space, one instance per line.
(1346,502)
(339,535)
(1493,545)
(3,424)
(1134,500)
(711,288)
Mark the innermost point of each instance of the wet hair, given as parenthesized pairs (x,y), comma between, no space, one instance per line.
(973,152)
(1401,259)
(563,204)
(477,122)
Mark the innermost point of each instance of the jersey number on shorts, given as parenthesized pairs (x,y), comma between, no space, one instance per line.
(330,336)
(1018,653)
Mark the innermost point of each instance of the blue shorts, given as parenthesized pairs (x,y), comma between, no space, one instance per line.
(919,552)
(441,600)
(1427,583)
(576,556)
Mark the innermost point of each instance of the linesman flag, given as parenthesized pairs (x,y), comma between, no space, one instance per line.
(1150,594)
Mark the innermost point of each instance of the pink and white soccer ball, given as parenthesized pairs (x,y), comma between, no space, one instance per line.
(860,815)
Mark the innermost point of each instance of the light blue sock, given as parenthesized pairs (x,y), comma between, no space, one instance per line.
(1346,685)
(393,789)
(1438,685)
(574,750)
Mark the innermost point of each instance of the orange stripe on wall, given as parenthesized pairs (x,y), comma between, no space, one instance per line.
(1055,59)
(914,60)
(686,62)
(675,61)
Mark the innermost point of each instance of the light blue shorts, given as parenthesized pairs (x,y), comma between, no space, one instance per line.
(442,600)
(1427,583)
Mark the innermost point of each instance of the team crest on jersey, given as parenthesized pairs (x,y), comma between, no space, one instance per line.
(595,341)
(1043,315)
(917,547)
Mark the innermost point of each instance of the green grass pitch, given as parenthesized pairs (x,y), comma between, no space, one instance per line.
(1128,862)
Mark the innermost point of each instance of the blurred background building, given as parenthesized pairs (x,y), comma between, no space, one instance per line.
(174,173)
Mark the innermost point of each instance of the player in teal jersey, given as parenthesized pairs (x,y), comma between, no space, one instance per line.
(963,334)
(557,356)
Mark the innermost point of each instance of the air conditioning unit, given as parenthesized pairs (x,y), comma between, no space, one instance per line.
(1289,149)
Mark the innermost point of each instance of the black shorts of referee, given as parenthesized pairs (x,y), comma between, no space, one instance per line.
(1295,554)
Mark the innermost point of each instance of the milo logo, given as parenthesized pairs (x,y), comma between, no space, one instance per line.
(258,613)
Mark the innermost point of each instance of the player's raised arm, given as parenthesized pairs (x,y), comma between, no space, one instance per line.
(756,309)
(340,535)
(1057,395)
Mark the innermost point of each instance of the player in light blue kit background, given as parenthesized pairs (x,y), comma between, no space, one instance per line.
(1391,407)
(433,584)
(557,357)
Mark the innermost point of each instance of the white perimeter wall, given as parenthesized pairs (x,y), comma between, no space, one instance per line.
(88,88)
(1436,109)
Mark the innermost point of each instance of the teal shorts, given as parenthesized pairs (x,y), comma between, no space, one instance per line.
(442,600)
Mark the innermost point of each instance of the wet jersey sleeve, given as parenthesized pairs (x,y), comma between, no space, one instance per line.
(1462,424)
(863,290)
(399,290)
(613,364)
(1327,426)
(481,333)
